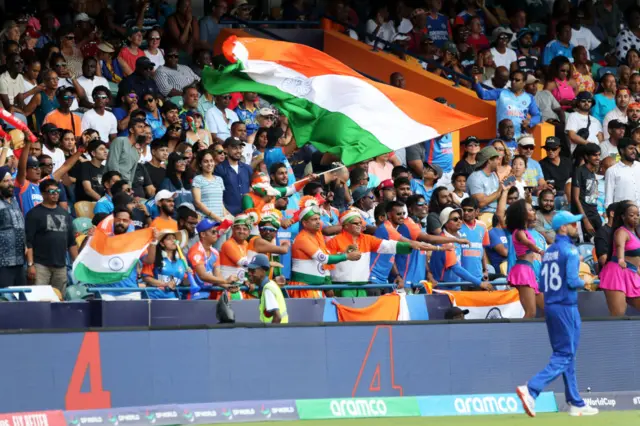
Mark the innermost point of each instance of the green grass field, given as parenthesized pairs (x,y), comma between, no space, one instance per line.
(619,418)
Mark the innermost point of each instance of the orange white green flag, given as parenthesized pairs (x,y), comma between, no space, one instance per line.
(109,259)
(485,304)
(329,104)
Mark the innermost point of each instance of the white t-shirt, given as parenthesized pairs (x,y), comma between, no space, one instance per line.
(105,124)
(10,86)
(584,37)
(215,122)
(28,86)
(577,121)
(57,156)
(504,60)
(608,150)
(89,85)
(146,157)
(157,59)
(386,32)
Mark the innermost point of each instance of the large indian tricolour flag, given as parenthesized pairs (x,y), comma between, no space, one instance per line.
(485,304)
(109,259)
(329,104)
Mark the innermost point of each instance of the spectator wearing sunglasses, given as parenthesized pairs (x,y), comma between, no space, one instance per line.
(141,81)
(172,77)
(68,48)
(62,117)
(99,118)
(582,127)
(153,51)
(65,78)
(46,253)
(219,119)
(533,175)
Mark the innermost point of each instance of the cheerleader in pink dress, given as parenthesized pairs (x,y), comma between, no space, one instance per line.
(619,278)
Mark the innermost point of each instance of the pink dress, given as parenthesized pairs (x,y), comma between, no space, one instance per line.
(563,92)
(522,272)
(627,280)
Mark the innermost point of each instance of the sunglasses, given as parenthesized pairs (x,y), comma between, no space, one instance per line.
(563,70)
(53,191)
(174,129)
(219,152)
(226,97)
(421,204)
(68,98)
(70,37)
(46,164)
(101,97)
(148,100)
(61,64)
(172,55)
(154,38)
(553,149)
(472,145)
(527,147)
(455,219)
(267,229)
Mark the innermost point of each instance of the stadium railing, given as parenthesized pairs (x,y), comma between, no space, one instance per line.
(9,294)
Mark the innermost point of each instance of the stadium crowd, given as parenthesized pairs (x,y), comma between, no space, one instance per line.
(128,138)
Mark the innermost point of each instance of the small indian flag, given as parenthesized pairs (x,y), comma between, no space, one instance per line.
(109,259)
(329,104)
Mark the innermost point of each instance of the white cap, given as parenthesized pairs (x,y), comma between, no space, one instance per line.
(164,195)
(82,17)
(10,153)
(526,140)
(446,212)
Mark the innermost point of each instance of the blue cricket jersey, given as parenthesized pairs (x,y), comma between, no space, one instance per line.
(554,48)
(412,267)
(440,151)
(559,279)
(473,252)
(512,107)
(497,236)
(380,264)
(290,235)
(171,269)
(439,29)
(276,155)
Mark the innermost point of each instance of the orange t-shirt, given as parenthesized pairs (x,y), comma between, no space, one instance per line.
(164,224)
(65,121)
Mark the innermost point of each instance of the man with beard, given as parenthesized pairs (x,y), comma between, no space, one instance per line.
(582,127)
(446,265)
(362,203)
(123,155)
(633,117)
(483,184)
(506,133)
(384,193)
(12,234)
(51,145)
(621,181)
(219,119)
(403,189)
(29,176)
(265,243)
(286,233)
(62,117)
(619,113)
(187,222)
(356,273)
(544,215)
(584,191)
(165,201)
(609,148)
(247,112)
(527,59)
(234,254)
(235,174)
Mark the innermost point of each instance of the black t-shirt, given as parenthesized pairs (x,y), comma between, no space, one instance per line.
(157,174)
(54,235)
(93,174)
(141,180)
(602,241)
(560,174)
(464,167)
(585,179)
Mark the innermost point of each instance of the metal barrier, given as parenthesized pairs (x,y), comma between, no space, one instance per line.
(9,294)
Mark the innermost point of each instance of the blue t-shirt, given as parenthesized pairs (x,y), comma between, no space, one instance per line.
(28,196)
(438,29)
(480,183)
(472,253)
(411,267)
(602,106)
(554,48)
(104,205)
(440,151)
(249,118)
(512,107)
(290,235)
(380,264)
(157,128)
(497,236)
(533,173)
(418,188)
(171,269)
(276,155)
(120,114)
(442,263)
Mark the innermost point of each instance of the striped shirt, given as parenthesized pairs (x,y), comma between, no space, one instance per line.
(211,191)
(168,78)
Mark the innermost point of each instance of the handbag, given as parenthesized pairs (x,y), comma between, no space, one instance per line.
(584,132)
(224,313)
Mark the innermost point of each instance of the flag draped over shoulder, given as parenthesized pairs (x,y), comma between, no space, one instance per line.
(390,307)
(329,104)
(487,305)
(109,259)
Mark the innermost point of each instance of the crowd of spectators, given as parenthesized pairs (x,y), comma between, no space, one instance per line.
(129,138)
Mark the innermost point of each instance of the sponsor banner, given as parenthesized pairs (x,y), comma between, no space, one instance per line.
(605,401)
(165,415)
(472,405)
(339,408)
(36,418)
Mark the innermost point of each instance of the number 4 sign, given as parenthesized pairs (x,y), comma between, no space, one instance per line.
(88,359)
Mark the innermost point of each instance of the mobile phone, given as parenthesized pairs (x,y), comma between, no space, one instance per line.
(510,180)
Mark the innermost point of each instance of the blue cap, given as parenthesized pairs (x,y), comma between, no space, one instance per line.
(206,224)
(564,218)
(259,261)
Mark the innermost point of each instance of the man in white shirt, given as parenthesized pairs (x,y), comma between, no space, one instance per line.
(621,180)
(89,81)
(99,118)
(12,84)
(580,35)
(609,148)
(219,119)
(623,97)
(580,120)
(50,146)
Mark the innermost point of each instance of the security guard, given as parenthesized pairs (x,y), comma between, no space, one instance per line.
(273,308)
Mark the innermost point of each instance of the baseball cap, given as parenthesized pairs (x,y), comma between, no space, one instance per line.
(435,168)
(144,62)
(81,225)
(441,100)
(524,31)
(531,79)
(164,195)
(232,141)
(499,32)
(385,184)
(49,127)
(551,142)
(469,140)
(563,217)
(526,140)
(82,17)
(32,163)
(131,31)
(446,213)
(189,206)
(616,124)
(584,96)
(206,224)
(453,312)
(359,193)
(266,112)
(486,154)
(259,261)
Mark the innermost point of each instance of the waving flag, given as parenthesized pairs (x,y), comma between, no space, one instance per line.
(109,259)
(329,104)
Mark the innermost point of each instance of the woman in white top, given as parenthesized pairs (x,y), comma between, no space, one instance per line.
(518,167)
(31,72)
(153,51)
(380,26)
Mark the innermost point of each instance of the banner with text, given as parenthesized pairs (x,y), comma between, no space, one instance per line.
(605,401)
(40,418)
(472,405)
(349,408)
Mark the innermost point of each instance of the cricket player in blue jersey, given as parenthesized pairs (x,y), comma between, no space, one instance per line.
(559,281)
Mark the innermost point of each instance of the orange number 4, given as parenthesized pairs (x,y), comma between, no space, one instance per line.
(376,382)
(88,359)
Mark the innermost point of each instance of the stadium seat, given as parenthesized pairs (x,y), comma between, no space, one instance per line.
(487,219)
(85,209)
(503,268)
